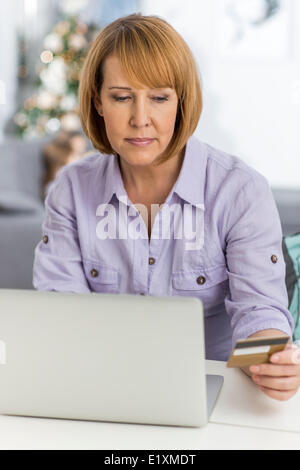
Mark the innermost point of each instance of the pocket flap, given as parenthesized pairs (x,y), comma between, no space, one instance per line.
(199,279)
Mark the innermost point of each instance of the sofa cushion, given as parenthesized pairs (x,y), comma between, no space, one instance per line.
(21,166)
(20,233)
(288,205)
(16,201)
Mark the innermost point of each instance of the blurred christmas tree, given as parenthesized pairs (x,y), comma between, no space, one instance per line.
(54,104)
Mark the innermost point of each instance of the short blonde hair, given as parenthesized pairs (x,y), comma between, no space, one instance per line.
(151,53)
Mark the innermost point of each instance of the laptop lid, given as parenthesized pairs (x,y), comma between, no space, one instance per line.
(107,357)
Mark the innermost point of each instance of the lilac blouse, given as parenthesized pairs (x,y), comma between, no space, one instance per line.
(217,237)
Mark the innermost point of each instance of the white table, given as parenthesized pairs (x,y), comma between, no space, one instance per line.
(244,418)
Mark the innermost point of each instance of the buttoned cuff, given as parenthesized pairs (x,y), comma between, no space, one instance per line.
(246,331)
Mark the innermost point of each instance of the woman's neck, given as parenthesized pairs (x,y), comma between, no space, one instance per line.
(152,184)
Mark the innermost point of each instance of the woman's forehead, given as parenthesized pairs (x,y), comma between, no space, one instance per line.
(114,77)
(116,87)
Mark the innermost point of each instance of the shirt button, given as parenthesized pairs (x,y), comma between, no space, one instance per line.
(274,259)
(151,260)
(94,273)
(45,239)
(201,280)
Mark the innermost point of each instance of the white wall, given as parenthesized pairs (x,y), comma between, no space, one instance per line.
(251,109)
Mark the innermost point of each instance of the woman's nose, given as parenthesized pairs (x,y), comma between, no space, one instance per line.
(140,114)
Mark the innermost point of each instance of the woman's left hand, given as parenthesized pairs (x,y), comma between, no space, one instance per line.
(279,379)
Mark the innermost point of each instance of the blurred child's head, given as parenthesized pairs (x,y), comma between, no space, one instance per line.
(66,147)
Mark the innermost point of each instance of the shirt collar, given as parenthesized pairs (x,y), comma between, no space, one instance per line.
(113,180)
(188,186)
(191,180)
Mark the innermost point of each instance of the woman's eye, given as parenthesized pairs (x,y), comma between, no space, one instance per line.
(120,98)
(159,99)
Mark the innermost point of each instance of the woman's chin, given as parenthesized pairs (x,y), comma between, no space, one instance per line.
(139,159)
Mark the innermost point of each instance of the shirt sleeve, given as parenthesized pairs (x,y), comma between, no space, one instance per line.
(57,258)
(258,298)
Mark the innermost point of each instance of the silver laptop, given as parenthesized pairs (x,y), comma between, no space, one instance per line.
(104,357)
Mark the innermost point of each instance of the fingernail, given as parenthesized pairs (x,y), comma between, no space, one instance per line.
(275,358)
(254,369)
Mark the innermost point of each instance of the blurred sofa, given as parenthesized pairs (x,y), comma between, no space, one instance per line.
(22,209)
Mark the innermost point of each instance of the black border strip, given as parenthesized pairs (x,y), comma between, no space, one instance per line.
(261,342)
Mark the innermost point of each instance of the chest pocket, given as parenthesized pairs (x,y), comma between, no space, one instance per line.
(210,285)
(102,278)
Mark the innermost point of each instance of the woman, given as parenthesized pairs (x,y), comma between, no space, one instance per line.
(214,233)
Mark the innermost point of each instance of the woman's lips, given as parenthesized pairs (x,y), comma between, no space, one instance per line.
(140,142)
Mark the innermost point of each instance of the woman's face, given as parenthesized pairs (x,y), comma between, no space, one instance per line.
(135,113)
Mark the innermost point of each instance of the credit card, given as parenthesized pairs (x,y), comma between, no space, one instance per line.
(248,352)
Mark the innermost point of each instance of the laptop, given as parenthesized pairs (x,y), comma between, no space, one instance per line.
(104,357)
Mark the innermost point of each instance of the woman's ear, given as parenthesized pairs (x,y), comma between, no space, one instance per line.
(98,106)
